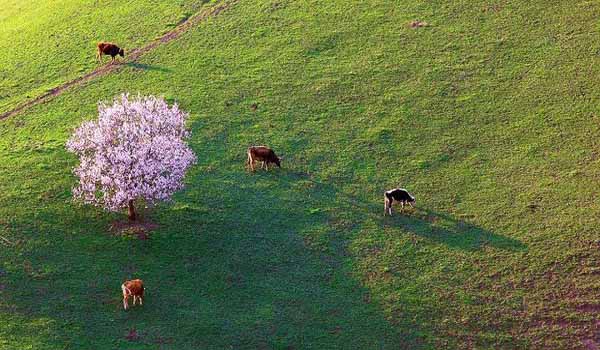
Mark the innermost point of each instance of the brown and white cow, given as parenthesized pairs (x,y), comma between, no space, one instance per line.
(109,49)
(262,154)
(133,288)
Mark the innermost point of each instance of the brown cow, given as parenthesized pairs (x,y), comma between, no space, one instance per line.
(134,288)
(262,154)
(109,49)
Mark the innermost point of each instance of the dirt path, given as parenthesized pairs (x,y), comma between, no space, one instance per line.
(134,54)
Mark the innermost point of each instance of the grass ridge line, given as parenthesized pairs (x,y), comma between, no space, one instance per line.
(173,34)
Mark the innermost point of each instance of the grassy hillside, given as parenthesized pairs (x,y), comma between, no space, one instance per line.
(488,115)
(45,43)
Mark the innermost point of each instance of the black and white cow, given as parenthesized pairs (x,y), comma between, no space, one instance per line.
(399,195)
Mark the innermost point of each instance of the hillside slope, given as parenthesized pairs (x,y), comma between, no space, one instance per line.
(488,115)
(45,43)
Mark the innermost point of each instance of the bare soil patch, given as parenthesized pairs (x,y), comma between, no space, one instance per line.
(418,24)
(590,308)
(590,344)
(132,335)
(139,229)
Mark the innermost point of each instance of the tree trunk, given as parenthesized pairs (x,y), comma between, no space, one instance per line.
(131,213)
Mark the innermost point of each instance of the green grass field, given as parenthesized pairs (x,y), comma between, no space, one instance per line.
(45,43)
(488,115)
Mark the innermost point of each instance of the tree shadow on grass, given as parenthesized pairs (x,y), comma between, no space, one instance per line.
(276,292)
(236,262)
(228,268)
(148,67)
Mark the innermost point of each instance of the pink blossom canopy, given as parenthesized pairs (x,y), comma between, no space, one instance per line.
(135,150)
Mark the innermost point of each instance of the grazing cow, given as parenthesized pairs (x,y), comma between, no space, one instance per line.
(399,195)
(134,288)
(109,49)
(262,154)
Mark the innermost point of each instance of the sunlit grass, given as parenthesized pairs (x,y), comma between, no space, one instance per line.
(488,115)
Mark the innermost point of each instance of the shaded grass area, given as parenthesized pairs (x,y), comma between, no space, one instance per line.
(243,278)
(487,115)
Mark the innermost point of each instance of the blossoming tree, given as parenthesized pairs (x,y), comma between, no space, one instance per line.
(136,150)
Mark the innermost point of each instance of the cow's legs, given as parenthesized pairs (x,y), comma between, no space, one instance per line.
(125,294)
(386,206)
(390,203)
(250,161)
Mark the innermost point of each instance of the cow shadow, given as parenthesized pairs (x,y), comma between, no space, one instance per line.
(450,231)
(148,67)
(435,226)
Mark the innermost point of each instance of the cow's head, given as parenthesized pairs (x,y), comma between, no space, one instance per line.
(277,161)
(122,52)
